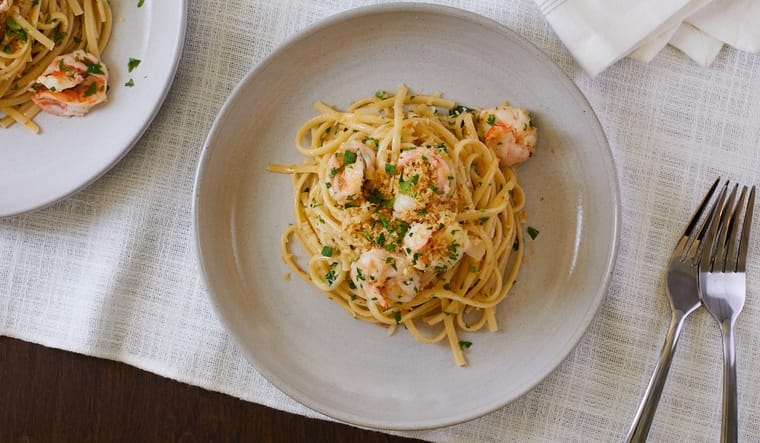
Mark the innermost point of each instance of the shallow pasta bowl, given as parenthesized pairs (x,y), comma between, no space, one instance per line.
(305,344)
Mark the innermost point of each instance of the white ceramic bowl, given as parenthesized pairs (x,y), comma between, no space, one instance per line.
(305,344)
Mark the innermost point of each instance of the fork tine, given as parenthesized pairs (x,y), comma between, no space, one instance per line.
(714,222)
(744,242)
(734,236)
(726,228)
(688,239)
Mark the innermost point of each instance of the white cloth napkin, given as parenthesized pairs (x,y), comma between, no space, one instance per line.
(111,272)
(600,33)
(735,22)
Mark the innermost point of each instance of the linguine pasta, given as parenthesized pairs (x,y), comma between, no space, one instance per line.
(408,217)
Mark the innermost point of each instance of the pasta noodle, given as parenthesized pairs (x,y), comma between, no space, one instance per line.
(407,215)
(32,34)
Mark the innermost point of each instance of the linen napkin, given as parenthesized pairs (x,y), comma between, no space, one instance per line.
(735,22)
(600,33)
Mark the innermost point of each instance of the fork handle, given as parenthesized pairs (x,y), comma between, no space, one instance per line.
(644,416)
(729,428)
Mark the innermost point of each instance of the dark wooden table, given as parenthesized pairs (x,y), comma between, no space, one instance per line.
(51,395)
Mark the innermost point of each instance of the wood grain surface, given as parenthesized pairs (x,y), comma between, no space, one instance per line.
(51,395)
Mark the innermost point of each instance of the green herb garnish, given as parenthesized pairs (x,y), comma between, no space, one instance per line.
(132,64)
(93,88)
(349,158)
(405,185)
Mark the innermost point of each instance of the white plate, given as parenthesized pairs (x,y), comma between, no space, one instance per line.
(70,153)
(308,346)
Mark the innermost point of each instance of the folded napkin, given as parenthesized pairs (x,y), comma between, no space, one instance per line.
(735,22)
(600,33)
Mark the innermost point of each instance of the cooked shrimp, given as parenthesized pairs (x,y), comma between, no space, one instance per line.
(510,133)
(385,277)
(72,84)
(425,176)
(435,248)
(347,170)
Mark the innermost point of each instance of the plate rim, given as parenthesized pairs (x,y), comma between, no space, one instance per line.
(104,169)
(572,88)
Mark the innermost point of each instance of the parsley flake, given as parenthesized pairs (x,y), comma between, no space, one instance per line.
(132,64)
(92,89)
(349,157)
(405,185)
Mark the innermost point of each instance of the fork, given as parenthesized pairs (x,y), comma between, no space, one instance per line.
(723,287)
(683,297)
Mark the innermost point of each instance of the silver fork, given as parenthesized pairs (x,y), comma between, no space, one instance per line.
(681,288)
(723,287)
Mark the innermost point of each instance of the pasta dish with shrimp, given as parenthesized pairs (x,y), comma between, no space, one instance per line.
(410,211)
(50,58)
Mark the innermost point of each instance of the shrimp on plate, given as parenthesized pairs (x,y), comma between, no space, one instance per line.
(509,132)
(437,248)
(348,167)
(385,277)
(72,84)
(425,177)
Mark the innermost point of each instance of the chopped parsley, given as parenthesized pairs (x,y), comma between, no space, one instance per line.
(330,277)
(397,317)
(93,88)
(405,185)
(382,95)
(349,157)
(491,119)
(456,110)
(131,83)
(140,3)
(483,220)
(464,344)
(16,29)
(12,24)
(372,140)
(93,68)
(327,251)
(533,232)
(58,36)
(132,64)
(390,169)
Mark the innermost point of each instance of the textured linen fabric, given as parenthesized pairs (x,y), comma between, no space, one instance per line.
(111,271)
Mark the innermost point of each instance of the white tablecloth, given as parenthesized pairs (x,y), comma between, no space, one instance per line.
(111,271)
